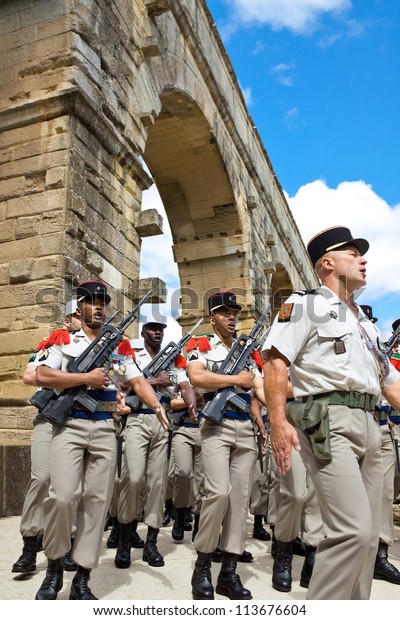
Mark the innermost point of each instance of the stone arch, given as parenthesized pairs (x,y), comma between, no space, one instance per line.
(192,179)
(281,288)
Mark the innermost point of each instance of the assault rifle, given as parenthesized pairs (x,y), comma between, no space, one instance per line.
(94,356)
(233,364)
(162,361)
(44,396)
(391,342)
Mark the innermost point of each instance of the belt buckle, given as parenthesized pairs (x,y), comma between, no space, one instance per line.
(106,406)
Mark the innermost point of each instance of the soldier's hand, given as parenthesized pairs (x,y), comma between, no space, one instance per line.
(244,379)
(193,413)
(161,415)
(163,379)
(97,379)
(121,407)
(283,438)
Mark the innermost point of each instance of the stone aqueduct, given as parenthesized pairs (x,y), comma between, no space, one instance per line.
(91,89)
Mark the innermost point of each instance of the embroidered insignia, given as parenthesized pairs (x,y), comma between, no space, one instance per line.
(43,355)
(193,357)
(285,312)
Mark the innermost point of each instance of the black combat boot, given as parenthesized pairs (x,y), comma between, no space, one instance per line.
(113,537)
(245,557)
(68,562)
(202,588)
(383,568)
(123,556)
(39,542)
(298,547)
(137,542)
(229,583)
(188,519)
(195,526)
(26,562)
(216,555)
(274,544)
(108,522)
(52,583)
(282,569)
(80,590)
(168,508)
(151,554)
(308,566)
(178,528)
(259,531)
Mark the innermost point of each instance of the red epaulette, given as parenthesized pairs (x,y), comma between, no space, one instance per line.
(202,344)
(180,362)
(58,336)
(124,348)
(258,359)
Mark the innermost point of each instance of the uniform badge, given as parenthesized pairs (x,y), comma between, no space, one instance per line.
(285,313)
(193,357)
(43,356)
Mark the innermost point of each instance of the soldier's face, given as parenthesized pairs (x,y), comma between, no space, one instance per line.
(153,334)
(93,311)
(225,318)
(350,266)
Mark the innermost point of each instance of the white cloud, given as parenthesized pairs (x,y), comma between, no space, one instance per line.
(156,260)
(282,72)
(300,16)
(247,95)
(353,204)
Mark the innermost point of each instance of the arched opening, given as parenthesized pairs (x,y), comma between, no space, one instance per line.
(185,162)
(281,288)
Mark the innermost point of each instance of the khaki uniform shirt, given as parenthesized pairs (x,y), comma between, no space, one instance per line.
(323,341)
(177,375)
(59,357)
(213,359)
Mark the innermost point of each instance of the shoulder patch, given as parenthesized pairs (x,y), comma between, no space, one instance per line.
(285,313)
(194,356)
(43,355)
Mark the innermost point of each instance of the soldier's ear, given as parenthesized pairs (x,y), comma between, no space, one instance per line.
(78,313)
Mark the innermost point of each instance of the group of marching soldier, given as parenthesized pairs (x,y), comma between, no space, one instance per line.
(191,428)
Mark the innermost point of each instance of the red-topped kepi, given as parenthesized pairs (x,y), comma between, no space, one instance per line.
(221,299)
(92,288)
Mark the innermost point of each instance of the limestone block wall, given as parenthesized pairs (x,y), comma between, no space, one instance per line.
(89,90)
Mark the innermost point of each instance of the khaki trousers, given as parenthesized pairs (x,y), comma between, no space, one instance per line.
(144,463)
(349,495)
(259,494)
(389,466)
(189,473)
(32,518)
(82,473)
(298,510)
(229,454)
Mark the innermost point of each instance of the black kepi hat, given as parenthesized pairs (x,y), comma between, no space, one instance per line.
(395,325)
(92,288)
(333,239)
(162,325)
(223,298)
(368,313)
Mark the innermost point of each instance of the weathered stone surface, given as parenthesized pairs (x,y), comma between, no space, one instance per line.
(90,91)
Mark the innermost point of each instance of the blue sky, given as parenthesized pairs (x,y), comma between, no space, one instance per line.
(321,79)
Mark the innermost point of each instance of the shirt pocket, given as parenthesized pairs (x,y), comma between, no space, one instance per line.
(332,333)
